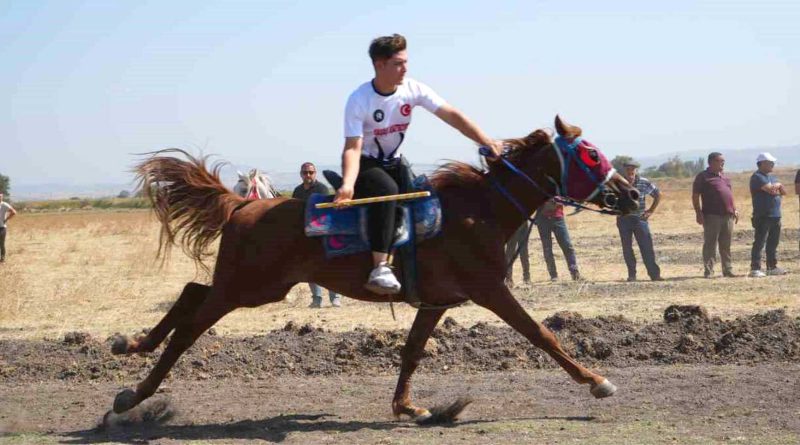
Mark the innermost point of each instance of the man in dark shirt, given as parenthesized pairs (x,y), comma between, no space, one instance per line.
(766,192)
(310,185)
(717,215)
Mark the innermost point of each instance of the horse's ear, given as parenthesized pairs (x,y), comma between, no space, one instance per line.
(566,130)
(241,175)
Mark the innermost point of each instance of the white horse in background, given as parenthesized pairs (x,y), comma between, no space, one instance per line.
(255,185)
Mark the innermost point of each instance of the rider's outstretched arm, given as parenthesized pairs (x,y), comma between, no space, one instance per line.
(462,123)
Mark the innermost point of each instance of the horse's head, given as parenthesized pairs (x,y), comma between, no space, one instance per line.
(254,185)
(569,167)
(587,175)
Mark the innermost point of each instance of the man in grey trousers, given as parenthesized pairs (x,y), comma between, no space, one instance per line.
(717,215)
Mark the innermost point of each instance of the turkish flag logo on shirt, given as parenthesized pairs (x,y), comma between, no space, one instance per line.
(405,110)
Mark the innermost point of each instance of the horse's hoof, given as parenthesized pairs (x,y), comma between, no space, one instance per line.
(120,345)
(422,415)
(604,389)
(125,400)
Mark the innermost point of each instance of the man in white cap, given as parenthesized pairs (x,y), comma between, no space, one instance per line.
(766,192)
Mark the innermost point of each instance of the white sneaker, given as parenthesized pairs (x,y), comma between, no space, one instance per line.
(757,274)
(382,281)
(776,271)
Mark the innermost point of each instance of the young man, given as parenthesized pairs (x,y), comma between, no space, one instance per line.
(376,119)
(550,221)
(717,215)
(6,213)
(310,185)
(636,225)
(766,192)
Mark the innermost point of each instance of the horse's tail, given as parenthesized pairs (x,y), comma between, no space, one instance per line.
(187,197)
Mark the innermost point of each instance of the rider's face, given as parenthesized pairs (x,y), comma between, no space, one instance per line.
(392,70)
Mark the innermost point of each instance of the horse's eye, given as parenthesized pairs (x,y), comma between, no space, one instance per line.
(593,155)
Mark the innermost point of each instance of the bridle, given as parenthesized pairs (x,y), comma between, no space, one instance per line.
(562,191)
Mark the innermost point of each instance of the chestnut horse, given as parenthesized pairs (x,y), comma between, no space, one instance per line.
(264,252)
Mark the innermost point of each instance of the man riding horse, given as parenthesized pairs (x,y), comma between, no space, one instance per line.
(376,119)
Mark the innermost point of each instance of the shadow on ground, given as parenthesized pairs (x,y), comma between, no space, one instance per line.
(275,429)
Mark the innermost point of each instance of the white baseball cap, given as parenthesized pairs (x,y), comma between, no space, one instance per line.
(765,157)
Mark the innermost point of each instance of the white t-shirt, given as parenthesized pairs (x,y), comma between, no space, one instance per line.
(381,120)
(4,208)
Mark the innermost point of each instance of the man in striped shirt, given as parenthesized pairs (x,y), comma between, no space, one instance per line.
(635,225)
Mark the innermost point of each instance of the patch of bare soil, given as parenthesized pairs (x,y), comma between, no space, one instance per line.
(691,404)
(686,335)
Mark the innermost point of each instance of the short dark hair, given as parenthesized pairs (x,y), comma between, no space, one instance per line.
(385,47)
(308,164)
(713,155)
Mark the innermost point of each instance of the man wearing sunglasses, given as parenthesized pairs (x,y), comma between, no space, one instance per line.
(310,185)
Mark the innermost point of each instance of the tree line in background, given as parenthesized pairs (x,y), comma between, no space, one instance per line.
(5,184)
(675,167)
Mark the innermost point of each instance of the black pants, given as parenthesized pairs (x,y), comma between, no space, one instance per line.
(376,178)
(767,234)
(2,242)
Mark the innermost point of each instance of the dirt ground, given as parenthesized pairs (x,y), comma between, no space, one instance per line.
(697,404)
(689,378)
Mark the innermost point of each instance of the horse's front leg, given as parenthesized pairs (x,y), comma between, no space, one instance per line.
(500,301)
(421,330)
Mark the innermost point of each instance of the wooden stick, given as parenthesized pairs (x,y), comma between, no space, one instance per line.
(361,201)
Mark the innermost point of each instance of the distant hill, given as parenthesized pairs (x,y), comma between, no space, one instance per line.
(735,160)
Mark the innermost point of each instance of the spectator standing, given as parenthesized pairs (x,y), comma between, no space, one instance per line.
(6,213)
(797,192)
(549,220)
(717,214)
(636,225)
(309,186)
(518,242)
(766,192)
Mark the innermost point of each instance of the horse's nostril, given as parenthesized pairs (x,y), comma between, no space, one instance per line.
(634,195)
(610,200)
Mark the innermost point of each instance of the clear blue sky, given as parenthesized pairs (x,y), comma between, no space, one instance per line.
(83,84)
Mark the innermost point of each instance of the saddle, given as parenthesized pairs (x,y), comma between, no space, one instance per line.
(344,231)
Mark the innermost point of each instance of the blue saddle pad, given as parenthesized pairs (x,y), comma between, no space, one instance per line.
(344,231)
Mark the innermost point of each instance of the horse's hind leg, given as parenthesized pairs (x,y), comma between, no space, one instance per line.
(186,333)
(189,301)
(503,303)
(421,330)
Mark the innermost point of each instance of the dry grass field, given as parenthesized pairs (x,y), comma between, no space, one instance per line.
(95,271)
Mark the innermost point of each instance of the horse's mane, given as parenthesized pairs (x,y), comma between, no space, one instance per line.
(465,176)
